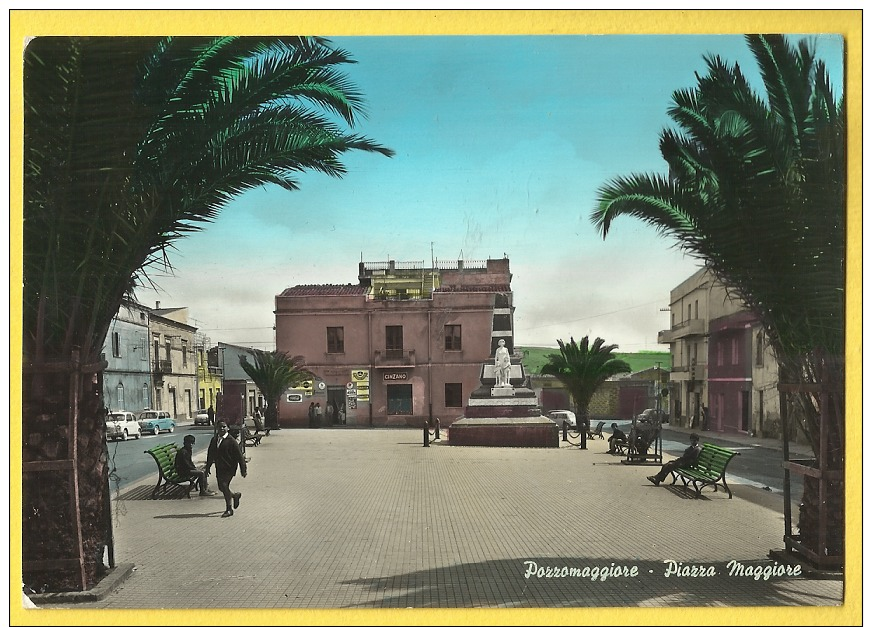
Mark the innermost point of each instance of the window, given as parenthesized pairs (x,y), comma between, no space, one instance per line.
(452,337)
(184,352)
(156,350)
(394,341)
(168,346)
(116,344)
(759,348)
(157,399)
(400,399)
(119,396)
(688,311)
(335,339)
(143,348)
(454,395)
(696,309)
(720,353)
(144,400)
(735,351)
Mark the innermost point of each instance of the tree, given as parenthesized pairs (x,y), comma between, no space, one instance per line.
(273,373)
(582,368)
(129,145)
(756,190)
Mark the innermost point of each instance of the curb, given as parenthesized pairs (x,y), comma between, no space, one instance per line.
(107,584)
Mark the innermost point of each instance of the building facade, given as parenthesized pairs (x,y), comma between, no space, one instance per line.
(127,376)
(174,363)
(209,374)
(239,396)
(721,361)
(403,346)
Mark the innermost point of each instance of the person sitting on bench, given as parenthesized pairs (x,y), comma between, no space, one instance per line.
(617,436)
(688,458)
(185,465)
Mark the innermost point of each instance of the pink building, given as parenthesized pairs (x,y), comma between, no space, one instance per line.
(403,346)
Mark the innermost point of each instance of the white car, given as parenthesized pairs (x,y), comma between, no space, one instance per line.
(121,425)
(560,415)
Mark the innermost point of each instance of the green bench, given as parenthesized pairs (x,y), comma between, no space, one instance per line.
(710,469)
(165,458)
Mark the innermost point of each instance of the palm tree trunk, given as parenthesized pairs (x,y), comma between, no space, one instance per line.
(66,525)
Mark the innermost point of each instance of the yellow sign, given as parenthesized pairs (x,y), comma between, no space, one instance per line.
(360,375)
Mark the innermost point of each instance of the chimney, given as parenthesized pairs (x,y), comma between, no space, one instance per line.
(157,304)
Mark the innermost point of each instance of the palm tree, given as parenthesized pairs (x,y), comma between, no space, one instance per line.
(129,145)
(756,189)
(582,368)
(273,373)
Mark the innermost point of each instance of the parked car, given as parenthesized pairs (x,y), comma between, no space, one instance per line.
(651,415)
(560,415)
(201,419)
(121,425)
(154,421)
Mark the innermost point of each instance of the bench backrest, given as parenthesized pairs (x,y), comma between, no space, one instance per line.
(599,426)
(714,458)
(165,456)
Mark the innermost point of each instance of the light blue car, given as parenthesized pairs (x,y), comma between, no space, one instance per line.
(154,421)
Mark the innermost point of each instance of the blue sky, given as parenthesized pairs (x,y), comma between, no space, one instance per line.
(502,142)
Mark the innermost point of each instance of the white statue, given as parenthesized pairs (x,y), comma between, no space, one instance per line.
(502,365)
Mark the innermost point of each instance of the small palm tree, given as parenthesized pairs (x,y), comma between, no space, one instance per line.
(273,373)
(582,368)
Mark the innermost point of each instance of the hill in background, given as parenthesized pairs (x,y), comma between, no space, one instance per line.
(534,357)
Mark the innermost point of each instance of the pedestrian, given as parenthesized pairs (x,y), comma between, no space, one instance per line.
(690,455)
(317,415)
(617,436)
(342,414)
(211,413)
(225,453)
(311,415)
(185,467)
(705,418)
(329,413)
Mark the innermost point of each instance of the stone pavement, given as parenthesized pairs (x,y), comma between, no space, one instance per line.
(349,519)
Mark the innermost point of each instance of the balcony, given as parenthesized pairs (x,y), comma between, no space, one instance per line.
(681,330)
(394,358)
(163,366)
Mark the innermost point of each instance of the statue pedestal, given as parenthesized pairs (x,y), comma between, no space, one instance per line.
(504,416)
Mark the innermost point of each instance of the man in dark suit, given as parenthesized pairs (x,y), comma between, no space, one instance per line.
(225,453)
(690,455)
(185,466)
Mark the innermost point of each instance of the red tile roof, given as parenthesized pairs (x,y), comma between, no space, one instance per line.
(324,290)
(490,287)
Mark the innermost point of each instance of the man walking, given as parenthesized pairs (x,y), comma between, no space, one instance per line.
(225,453)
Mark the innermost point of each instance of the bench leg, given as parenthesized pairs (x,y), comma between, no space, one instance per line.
(156,488)
(730,492)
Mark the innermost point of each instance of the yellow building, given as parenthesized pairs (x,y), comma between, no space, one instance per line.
(209,377)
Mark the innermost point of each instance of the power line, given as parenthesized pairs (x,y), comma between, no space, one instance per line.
(608,313)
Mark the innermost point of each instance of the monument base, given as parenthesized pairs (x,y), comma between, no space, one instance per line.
(521,432)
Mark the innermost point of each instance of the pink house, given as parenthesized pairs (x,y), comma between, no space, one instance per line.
(403,346)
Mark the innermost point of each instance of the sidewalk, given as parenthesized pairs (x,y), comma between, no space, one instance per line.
(371,519)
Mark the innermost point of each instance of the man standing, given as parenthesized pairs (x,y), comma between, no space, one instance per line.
(225,453)
(211,413)
(690,455)
(185,467)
